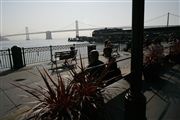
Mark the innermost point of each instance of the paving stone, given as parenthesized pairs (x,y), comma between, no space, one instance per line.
(155,108)
(5,104)
(176,67)
(18,96)
(15,114)
(175,79)
(148,94)
(166,76)
(172,112)
(171,91)
(20,76)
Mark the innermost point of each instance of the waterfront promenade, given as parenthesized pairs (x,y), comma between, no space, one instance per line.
(163,97)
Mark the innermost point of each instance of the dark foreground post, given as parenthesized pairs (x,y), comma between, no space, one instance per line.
(135,102)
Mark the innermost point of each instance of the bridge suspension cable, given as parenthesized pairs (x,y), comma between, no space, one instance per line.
(89,24)
(175,15)
(67,26)
(155,18)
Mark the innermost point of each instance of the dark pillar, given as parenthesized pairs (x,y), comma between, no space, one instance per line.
(77,29)
(48,35)
(27,33)
(168,19)
(17,57)
(135,103)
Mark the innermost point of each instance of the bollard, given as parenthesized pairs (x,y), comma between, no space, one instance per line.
(17,57)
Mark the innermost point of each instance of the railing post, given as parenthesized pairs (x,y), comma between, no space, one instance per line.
(24,60)
(10,60)
(51,53)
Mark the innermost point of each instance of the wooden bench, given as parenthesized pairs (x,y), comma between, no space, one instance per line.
(67,56)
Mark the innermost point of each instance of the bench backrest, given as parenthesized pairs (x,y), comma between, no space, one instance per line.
(65,54)
(115,46)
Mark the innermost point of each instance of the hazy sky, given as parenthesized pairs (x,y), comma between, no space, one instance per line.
(44,15)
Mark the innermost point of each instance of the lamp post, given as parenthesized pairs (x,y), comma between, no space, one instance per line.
(135,101)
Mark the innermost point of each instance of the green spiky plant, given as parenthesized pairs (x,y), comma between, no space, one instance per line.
(77,100)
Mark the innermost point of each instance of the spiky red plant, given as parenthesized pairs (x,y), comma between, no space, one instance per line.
(55,102)
(71,102)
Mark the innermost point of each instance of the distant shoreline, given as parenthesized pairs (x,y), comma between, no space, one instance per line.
(4,40)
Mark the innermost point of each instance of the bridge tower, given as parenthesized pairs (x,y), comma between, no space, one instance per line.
(27,33)
(48,35)
(77,29)
(168,19)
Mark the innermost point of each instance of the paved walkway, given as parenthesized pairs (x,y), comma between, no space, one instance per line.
(11,97)
(164,102)
(163,98)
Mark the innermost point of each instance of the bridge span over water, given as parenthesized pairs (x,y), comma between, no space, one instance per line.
(76,30)
(48,34)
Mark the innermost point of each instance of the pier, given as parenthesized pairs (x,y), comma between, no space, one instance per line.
(85,81)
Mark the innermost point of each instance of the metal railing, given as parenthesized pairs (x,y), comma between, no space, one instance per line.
(5,59)
(37,54)
(43,54)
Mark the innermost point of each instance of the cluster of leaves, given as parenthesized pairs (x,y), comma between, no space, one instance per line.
(151,58)
(58,101)
(153,53)
(89,87)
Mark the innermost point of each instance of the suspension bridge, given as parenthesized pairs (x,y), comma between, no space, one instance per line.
(77,29)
